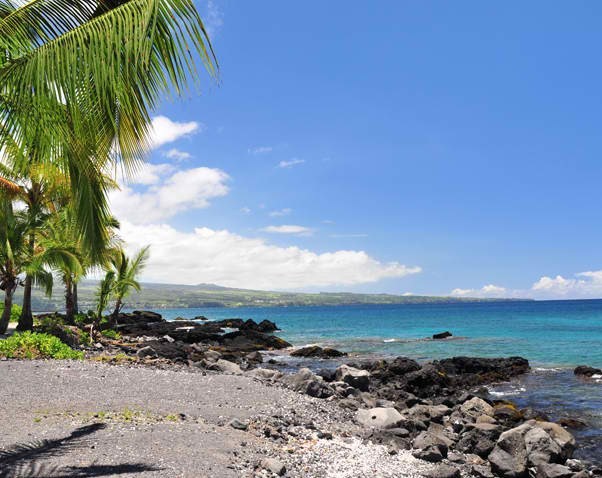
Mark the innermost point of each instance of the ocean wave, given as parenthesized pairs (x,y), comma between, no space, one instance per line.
(509,392)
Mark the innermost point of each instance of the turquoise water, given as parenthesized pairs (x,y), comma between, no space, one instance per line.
(550,333)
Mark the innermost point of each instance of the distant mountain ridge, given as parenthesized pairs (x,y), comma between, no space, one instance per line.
(163,296)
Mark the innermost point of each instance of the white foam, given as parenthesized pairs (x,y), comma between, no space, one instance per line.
(388,341)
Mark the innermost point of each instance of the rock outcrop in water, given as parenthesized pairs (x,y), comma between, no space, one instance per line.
(586,371)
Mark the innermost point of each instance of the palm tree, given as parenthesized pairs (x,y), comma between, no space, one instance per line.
(41,189)
(16,258)
(103,296)
(126,270)
(78,80)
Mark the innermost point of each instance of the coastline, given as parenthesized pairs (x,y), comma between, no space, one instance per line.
(441,413)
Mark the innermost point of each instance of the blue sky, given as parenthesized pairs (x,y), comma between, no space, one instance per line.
(424,147)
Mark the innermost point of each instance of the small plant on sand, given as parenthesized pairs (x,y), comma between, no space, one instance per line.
(28,345)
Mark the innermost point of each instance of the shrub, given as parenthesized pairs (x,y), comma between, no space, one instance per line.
(15,312)
(111,334)
(28,345)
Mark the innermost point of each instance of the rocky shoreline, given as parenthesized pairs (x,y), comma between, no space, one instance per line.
(440,411)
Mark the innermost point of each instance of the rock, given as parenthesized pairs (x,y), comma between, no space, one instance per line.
(572,423)
(212,355)
(305,381)
(379,418)
(471,371)
(267,326)
(541,448)
(509,456)
(586,371)
(254,357)
(354,377)
(250,340)
(442,335)
(429,381)
(553,470)
(429,439)
(238,425)
(475,408)
(273,465)
(226,367)
(563,438)
(443,471)
(430,453)
(482,471)
(317,352)
(575,465)
(147,351)
(266,373)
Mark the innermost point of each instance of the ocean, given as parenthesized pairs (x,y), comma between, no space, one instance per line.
(555,336)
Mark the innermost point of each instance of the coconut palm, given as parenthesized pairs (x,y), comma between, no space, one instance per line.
(17,260)
(125,278)
(79,78)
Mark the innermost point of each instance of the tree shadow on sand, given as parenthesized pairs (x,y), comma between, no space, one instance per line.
(26,460)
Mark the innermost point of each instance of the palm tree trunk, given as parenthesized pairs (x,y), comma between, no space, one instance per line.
(75,299)
(26,319)
(115,313)
(69,303)
(8,305)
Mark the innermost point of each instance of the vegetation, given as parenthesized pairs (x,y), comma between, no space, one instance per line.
(14,314)
(29,345)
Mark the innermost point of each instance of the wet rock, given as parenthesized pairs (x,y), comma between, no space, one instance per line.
(572,423)
(317,352)
(250,340)
(379,417)
(354,377)
(442,335)
(472,371)
(586,371)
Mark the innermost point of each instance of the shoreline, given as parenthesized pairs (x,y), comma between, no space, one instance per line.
(440,412)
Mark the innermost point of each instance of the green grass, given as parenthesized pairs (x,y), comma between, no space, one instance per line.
(111,334)
(28,345)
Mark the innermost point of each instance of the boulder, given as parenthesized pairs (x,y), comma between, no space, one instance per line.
(553,470)
(443,471)
(273,465)
(226,367)
(430,453)
(317,352)
(250,340)
(476,407)
(471,371)
(354,377)
(442,335)
(254,357)
(509,456)
(586,371)
(146,352)
(239,425)
(379,418)
(428,439)
(541,448)
(563,438)
(266,374)
(305,381)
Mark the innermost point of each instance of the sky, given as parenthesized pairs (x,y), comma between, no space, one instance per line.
(441,148)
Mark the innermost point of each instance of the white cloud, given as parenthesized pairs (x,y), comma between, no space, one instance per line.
(177,155)
(490,290)
(245,210)
(214,19)
(291,163)
(150,173)
(260,150)
(164,130)
(289,229)
(282,212)
(225,258)
(169,195)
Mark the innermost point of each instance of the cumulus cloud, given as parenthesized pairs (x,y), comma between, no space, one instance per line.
(165,131)
(222,257)
(288,229)
(281,212)
(260,150)
(489,290)
(582,285)
(214,18)
(291,163)
(167,194)
(177,155)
